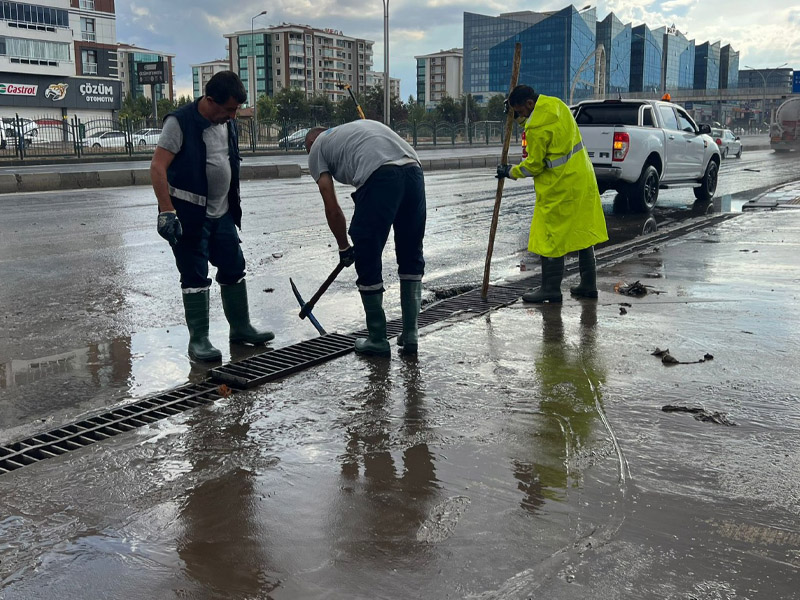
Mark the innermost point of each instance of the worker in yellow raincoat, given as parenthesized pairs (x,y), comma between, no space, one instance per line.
(568,215)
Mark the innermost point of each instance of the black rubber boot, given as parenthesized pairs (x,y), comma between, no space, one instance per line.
(234,302)
(196,308)
(410,302)
(376,344)
(550,290)
(587,288)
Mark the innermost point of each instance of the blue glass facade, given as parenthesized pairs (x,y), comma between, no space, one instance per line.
(557,55)
(481,34)
(616,39)
(646,57)
(728,67)
(678,60)
(706,66)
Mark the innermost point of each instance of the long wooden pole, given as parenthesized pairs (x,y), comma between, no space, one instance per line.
(501,181)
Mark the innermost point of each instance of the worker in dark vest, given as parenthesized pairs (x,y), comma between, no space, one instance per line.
(195,176)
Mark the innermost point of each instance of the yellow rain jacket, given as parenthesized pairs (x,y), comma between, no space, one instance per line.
(567,215)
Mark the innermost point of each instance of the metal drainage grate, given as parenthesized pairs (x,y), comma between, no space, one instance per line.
(95,429)
(281,362)
(274,364)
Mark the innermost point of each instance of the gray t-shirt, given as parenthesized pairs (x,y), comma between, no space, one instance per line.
(218,166)
(354,151)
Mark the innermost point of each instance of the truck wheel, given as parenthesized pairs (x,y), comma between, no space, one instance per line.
(708,185)
(644,193)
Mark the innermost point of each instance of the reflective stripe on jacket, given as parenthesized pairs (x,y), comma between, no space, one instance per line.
(568,215)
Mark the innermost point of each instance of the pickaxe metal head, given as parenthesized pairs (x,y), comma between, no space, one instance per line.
(302,303)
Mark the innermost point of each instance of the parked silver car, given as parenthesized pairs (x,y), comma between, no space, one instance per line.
(146,137)
(728,143)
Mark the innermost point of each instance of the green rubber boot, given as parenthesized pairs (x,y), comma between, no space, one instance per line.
(587,288)
(234,302)
(376,344)
(196,308)
(410,301)
(550,290)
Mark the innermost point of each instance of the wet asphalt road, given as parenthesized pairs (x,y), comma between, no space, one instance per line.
(489,468)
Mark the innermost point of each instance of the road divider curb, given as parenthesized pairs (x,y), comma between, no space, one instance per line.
(44,182)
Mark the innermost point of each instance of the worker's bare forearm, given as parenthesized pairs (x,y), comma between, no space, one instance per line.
(333,212)
(158,178)
(338,226)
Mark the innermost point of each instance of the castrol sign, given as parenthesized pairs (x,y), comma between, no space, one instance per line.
(17,89)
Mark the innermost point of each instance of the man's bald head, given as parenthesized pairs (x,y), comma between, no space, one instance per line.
(312,135)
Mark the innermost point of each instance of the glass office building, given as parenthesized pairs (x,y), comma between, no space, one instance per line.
(728,68)
(646,56)
(706,66)
(557,55)
(677,60)
(481,34)
(616,40)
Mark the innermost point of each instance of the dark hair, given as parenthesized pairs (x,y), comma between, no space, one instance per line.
(520,94)
(225,85)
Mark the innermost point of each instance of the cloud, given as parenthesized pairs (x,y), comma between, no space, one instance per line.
(192,29)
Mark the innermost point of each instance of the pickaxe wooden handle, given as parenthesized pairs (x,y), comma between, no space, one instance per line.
(307,308)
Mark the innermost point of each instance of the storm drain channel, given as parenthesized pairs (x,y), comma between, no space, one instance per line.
(275,364)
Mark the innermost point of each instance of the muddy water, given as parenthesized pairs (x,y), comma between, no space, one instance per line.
(524,454)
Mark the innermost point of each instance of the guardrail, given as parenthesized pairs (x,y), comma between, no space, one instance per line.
(50,136)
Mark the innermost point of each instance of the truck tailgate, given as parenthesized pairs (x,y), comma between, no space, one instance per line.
(599,142)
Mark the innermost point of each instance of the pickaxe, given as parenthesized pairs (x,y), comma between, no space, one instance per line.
(349,88)
(307,307)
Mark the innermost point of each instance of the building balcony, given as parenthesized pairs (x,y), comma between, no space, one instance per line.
(89,68)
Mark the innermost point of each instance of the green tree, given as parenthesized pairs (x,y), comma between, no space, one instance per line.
(416,111)
(267,109)
(472,107)
(494,109)
(448,110)
(345,110)
(165,106)
(292,104)
(322,108)
(183,100)
(135,108)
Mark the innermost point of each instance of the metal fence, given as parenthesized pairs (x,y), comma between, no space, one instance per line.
(51,136)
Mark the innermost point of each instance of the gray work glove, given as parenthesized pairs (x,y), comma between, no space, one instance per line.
(169,227)
(503,171)
(347,256)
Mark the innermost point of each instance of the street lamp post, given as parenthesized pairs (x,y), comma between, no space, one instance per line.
(251,63)
(764,79)
(386,95)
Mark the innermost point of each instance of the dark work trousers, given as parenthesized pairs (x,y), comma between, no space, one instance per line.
(392,196)
(218,243)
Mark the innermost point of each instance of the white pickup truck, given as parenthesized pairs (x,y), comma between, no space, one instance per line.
(640,146)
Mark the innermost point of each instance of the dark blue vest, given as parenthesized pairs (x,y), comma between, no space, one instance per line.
(187,171)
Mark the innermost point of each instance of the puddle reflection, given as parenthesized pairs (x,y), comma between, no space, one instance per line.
(389,494)
(569,378)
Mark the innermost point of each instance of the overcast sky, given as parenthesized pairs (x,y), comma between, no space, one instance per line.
(765,32)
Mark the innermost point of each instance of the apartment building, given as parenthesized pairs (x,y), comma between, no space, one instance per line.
(376,79)
(202,72)
(129,57)
(299,56)
(58,58)
(438,75)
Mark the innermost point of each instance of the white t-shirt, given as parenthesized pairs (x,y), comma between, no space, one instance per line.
(354,151)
